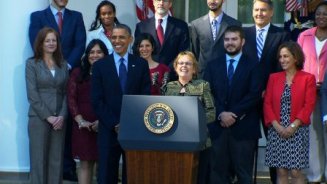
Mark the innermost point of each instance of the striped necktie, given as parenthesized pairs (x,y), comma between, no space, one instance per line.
(260,42)
(214,29)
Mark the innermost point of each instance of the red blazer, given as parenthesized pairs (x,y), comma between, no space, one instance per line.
(303,97)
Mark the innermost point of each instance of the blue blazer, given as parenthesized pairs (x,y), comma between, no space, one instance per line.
(241,97)
(73,35)
(106,91)
(269,61)
(176,39)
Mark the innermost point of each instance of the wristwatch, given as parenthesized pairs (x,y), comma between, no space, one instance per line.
(293,125)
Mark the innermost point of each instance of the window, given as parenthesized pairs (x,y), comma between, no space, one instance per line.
(245,11)
(190,10)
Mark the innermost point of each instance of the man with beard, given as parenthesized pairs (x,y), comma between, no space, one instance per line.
(171,34)
(69,24)
(236,85)
(207,32)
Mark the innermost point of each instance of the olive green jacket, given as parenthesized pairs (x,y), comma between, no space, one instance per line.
(198,88)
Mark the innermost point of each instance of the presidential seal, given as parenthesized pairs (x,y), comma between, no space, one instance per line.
(159,118)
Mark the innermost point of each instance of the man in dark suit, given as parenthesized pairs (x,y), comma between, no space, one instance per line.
(114,76)
(272,37)
(171,34)
(262,42)
(69,24)
(236,85)
(72,31)
(207,33)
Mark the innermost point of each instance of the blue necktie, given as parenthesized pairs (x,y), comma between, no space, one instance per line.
(122,74)
(230,71)
(260,42)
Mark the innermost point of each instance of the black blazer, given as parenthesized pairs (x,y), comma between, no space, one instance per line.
(203,45)
(240,98)
(176,39)
(269,60)
(106,94)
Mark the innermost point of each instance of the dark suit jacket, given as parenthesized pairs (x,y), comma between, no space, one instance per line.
(240,98)
(176,38)
(73,35)
(303,97)
(203,45)
(269,60)
(106,91)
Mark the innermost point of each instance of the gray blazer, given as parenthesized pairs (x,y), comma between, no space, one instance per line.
(203,45)
(46,94)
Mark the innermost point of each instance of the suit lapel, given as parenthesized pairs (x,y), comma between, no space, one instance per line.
(67,21)
(271,37)
(239,70)
(222,28)
(132,66)
(169,30)
(51,19)
(153,31)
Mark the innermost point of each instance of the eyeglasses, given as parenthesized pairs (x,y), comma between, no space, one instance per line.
(187,63)
(165,1)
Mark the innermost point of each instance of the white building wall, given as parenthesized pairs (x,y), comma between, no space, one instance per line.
(14,50)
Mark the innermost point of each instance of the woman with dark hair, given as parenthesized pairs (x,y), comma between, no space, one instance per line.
(46,79)
(103,24)
(145,47)
(314,44)
(85,126)
(288,103)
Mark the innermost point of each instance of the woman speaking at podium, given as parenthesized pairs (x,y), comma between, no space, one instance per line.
(186,68)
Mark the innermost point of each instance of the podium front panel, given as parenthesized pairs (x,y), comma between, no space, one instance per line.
(188,133)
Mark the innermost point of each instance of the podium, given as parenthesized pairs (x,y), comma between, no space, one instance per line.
(156,154)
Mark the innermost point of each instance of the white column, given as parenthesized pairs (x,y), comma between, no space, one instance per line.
(14,50)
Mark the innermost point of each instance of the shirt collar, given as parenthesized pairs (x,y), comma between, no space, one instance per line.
(117,58)
(266,27)
(163,18)
(218,18)
(236,57)
(55,11)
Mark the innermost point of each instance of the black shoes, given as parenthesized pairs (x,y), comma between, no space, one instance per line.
(70,176)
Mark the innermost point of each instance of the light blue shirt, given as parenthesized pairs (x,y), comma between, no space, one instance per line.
(117,62)
(264,33)
(236,58)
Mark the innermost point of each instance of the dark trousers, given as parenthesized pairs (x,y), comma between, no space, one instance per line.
(204,169)
(109,157)
(69,163)
(229,153)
